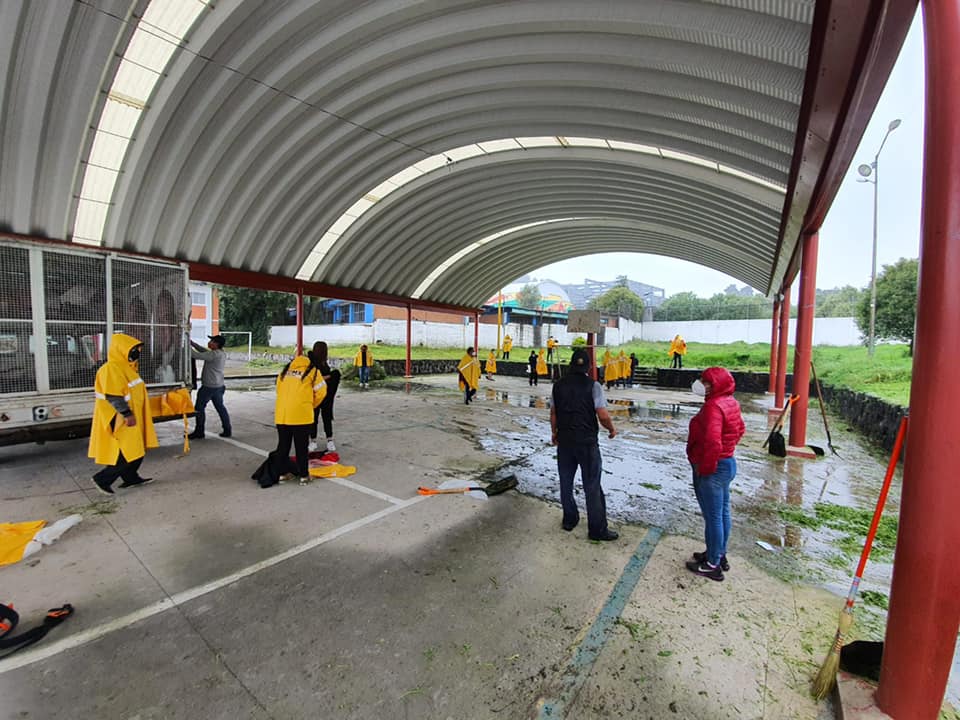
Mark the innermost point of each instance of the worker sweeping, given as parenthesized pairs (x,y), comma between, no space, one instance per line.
(469,375)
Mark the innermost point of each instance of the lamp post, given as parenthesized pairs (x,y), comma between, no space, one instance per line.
(866,171)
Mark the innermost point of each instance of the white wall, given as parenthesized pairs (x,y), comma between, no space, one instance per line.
(826,331)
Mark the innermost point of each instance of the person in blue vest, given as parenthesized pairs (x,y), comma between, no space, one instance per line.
(576,413)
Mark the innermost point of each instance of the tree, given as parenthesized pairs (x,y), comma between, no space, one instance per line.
(529,297)
(838,302)
(620,301)
(896,303)
(253,310)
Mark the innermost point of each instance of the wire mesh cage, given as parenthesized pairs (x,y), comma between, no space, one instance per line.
(17,370)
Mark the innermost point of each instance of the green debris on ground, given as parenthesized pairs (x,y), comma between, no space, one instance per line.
(852,523)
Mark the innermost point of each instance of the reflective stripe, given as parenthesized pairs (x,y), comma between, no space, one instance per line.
(99,396)
(134,382)
(317,387)
(126,397)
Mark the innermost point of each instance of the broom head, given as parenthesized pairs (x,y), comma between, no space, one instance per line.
(501,486)
(827,677)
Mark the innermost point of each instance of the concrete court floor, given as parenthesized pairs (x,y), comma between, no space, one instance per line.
(203,596)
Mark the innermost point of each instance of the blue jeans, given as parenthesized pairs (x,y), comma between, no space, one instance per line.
(215,394)
(586,456)
(713,495)
(364,371)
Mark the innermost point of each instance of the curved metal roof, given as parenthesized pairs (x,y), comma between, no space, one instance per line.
(240,134)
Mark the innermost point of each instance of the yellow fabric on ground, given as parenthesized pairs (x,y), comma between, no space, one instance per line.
(14,538)
(328,471)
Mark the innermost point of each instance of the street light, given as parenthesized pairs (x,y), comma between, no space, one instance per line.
(866,171)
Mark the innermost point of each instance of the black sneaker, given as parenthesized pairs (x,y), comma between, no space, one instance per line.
(226,434)
(103,487)
(606,537)
(701,557)
(568,526)
(195,435)
(703,569)
(138,481)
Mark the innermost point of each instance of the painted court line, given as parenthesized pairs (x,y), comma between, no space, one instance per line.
(580,666)
(28,657)
(339,481)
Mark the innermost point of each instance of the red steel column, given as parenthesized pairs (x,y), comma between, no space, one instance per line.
(300,321)
(925,595)
(774,328)
(803,343)
(779,398)
(476,334)
(592,351)
(406,372)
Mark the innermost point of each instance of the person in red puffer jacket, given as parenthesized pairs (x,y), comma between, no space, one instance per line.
(712,439)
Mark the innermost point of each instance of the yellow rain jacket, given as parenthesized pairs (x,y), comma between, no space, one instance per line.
(491,366)
(507,343)
(677,345)
(358,358)
(542,362)
(610,369)
(552,344)
(299,391)
(469,368)
(624,363)
(119,376)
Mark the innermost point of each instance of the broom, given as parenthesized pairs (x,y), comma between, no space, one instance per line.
(827,676)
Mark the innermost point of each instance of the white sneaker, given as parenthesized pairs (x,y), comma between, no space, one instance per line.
(312,446)
(331,447)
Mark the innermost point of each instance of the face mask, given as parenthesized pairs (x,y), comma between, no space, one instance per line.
(698,388)
(134,355)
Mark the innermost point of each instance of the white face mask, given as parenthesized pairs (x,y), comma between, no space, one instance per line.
(698,388)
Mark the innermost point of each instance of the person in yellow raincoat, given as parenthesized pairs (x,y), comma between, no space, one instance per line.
(491,366)
(623,365)
(542,362)
(363,361)
(552,344)
(122,427)
(507,346)
(469,375)
(609,369)
(678,348)
(300,389)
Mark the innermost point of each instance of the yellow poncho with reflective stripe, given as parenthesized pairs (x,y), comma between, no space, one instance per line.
(542,362)
(491,366)
(358,358)
(299,391)
(507,344)
(611,369)
(118,376)
(469,368)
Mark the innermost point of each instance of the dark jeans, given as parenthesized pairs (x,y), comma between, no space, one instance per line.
(677,360)
(506,354)
(211,394)
(324,410)
(533,375)
(468,394)
(586,456)
(121,468)
(299,436)
(364,373)
(713,495)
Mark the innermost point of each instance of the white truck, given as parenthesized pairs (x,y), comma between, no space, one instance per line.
(59,306)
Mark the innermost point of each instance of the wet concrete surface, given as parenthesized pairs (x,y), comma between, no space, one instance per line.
(361,606)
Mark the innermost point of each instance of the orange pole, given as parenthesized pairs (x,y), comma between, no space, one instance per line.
(803,344)
(774,334)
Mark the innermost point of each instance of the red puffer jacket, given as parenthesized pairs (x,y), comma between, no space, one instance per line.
(718,427)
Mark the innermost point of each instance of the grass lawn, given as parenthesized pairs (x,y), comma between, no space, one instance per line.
(885,375)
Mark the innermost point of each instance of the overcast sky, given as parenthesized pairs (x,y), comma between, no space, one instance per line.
(846,237)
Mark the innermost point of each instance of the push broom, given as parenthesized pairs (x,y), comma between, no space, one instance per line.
(827,676)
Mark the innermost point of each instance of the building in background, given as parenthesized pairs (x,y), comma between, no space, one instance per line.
(204,312)
(581,295)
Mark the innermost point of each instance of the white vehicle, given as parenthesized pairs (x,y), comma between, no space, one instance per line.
(59,306)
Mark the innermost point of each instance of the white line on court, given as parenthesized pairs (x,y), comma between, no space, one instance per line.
(28,657)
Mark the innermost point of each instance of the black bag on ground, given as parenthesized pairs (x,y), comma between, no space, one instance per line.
(777,444)
(271,469)
(862,657)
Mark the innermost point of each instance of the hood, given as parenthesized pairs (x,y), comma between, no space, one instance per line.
(720,379)
(120,347)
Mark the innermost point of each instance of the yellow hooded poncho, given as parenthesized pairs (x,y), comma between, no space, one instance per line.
(507,343)
(469,368)
(358,358)
(491,366)
(542,362)
(299,391)
(119,376)
(677,345)
(611,369)
(624,363)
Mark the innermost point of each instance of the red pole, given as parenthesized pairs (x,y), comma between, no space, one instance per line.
(774,335)
(476,334)
(779,399)
(803,343)
(406,372)
(592,353)
(925,594)
(300,321)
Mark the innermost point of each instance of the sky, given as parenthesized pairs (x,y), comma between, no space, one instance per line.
(846,237)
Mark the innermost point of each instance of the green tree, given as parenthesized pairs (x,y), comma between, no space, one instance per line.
(620,301)
(896,303)
(253,310)
(838,302)
(529,297)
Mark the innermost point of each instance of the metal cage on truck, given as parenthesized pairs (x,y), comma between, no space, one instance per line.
(59,306)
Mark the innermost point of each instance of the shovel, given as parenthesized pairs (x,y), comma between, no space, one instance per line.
(823,410)
(456,487)
(776,441)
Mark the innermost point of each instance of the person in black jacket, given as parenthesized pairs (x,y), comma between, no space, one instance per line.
(318,358)
(578,404)
(532,361)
